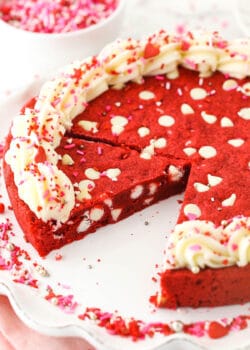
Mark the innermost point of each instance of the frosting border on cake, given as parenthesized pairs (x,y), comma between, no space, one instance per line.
(37,132)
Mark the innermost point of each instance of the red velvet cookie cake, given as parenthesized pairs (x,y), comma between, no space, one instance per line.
(138,123)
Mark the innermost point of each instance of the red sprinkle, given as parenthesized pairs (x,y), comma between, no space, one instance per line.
(2,208)
(217,330)
(46,16)
(151,50)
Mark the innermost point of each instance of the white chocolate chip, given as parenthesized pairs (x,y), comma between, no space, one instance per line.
(89,126)
(246,89)
(146,95)
(96,214)
(192,210)
(177,326)
(85,187)
(175,173)
(213,180)
(108,202)
(67,160)
(226,122)
(173,74)
(143,131)
(92,174)
(136,192)
(166,120)
(229,201)
(186,109)
(200,187)
(148,200)
(153,186)
(189,151)
(118,124)
(85,223)
(207,152)
(148,152)
(208,118)
(244,113)
(229,84)
(236,142)
(115,213)
(113,173)
(160,143)
(198,93)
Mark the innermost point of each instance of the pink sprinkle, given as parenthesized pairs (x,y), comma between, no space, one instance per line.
(80,152)
(72,145)
(46,16)
(75,173)
(195,247)
(99,150)
(234,246)
(159,77)
(191,216)
(190,63)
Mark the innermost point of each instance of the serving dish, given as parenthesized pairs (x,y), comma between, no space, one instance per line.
(114,269)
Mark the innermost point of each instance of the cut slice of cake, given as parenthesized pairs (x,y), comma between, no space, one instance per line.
(106,187)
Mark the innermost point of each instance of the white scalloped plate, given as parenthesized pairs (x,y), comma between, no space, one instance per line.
(121,280)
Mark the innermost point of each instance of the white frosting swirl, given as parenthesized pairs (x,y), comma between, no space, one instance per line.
(63,98)
(198,244)
(235,59)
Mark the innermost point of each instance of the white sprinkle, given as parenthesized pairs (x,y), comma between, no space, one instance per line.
(198,93)
(244,113)
(226,122)
(146,95)
(201,81)
(118,104)
(200,187)
(192,210)
(168,85)
(177,326)
(236,142)
(207,152)
(143,131)
(213,180)
(179,92)
(208,118)
(186,109)
(229,201)
(166,120)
